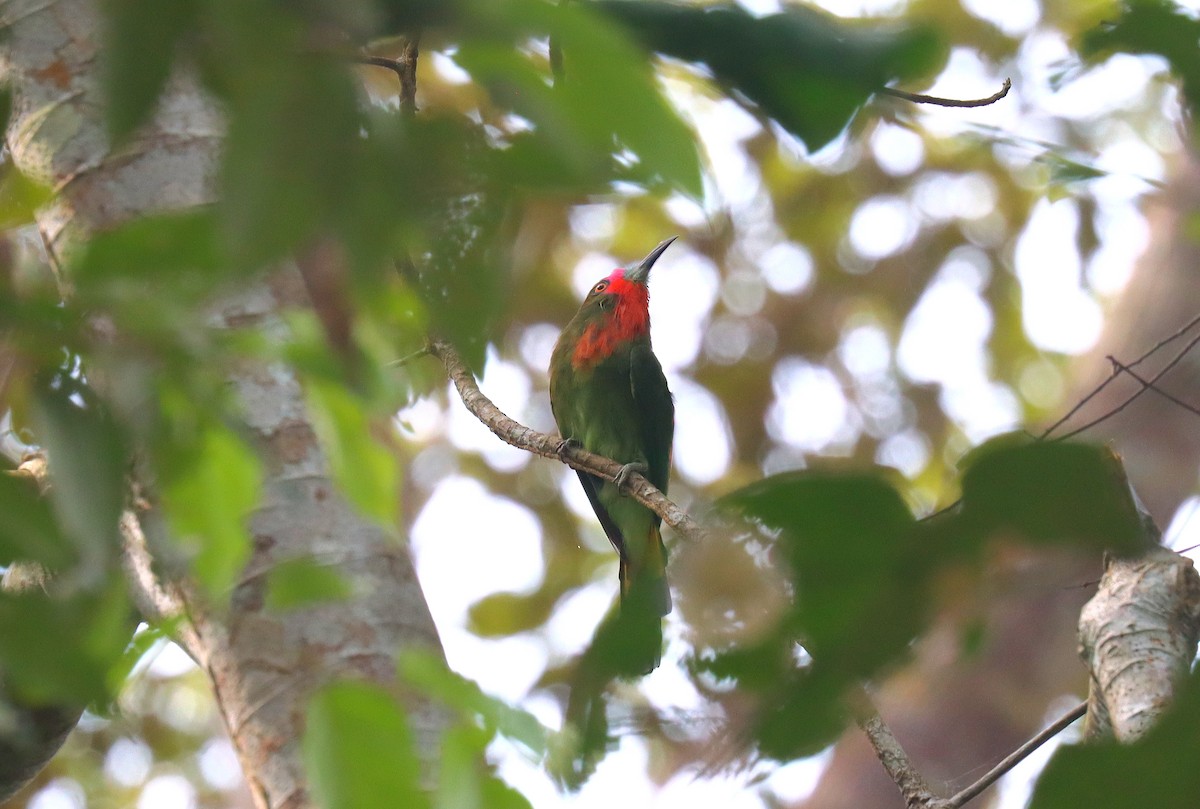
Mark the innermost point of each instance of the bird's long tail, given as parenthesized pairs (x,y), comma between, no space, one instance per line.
(647,576)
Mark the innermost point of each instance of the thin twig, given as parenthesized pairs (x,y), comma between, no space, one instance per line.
(1119,366)
(1017,756)
(1174,361)
(405,69)
(1180,332)
(518,435)
(407,358)
(918,98)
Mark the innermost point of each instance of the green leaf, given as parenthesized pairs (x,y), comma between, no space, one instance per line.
(860,581)
(809,70)
(859,572)
(208,497)
(429,673)
(165,249)
(28,529)
(1158,770)
(19,197)
(465,780)
(502,614)
(288,163)
(302,582)
(1154,27)
(1050,492)
(5,107)
(366,471)
(141,39)
(88,465)
(359,751)
(600,57)
(582,132)
(60,650)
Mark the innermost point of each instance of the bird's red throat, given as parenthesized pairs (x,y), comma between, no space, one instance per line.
(628,319)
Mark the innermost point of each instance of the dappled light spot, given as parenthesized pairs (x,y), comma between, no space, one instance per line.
(810,410)
(882,226)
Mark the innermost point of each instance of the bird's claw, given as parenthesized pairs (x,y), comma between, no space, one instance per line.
(566,444)
(622,478)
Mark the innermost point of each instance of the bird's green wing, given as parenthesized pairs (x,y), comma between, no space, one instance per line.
(591,485)
(655,417)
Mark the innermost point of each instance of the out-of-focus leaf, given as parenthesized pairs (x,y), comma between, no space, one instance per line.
(289,164)
(858,571)
(1157,27)
(140,44)
(465,780)
(430,674)
(1159,770)
(803,67)
(169,249)
(208,497)
(599,58)
(301,582)
(28,529)
(88,467)
(860,581)
(359,751)
(5,107)
(19,197)
(142,643)
(502,614)
(60,649)
(804,715)
(1051,492)
(366,471)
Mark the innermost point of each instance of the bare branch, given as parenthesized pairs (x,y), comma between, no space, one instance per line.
(1119,366)
(1017,756)
(917,794)
(405,69)
(1174,361)
(918,98)
(1191,324)
(548,446)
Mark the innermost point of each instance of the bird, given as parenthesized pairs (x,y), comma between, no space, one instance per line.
(609,395)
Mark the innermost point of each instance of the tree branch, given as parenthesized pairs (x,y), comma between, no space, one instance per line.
(1146,383)
(518,435)
(916,791)
(918,98)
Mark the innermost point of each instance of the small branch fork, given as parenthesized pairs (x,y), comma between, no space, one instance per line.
(916,792)
(918,98)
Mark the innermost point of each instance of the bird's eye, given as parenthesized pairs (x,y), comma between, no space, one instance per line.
(600,287)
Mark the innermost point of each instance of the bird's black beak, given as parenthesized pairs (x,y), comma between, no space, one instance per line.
(641,273)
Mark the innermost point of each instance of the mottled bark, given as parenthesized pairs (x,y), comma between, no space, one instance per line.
(1138,638)
(263,664)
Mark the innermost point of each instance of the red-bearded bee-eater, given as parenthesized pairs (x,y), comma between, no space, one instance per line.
(608,394)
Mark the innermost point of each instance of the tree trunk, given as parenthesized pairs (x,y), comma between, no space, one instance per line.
(262,664)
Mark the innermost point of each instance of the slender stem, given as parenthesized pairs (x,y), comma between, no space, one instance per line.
(1145,383)
(918,98)
(1017,756)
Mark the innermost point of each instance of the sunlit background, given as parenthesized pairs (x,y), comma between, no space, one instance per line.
(919,285)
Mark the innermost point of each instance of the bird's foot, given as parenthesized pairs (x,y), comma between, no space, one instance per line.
(566,444)
(622,478)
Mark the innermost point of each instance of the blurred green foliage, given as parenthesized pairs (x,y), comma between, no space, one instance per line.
(464,220)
